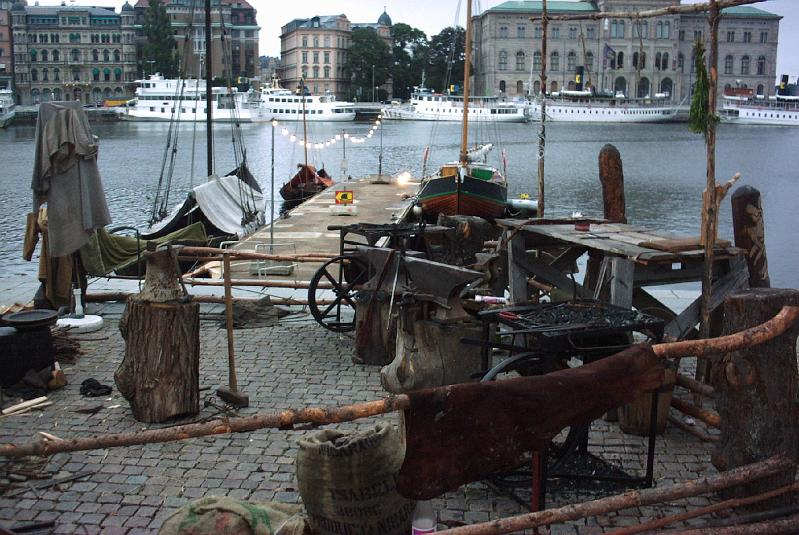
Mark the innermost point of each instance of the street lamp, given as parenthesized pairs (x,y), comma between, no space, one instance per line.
(373,83)
(272,224)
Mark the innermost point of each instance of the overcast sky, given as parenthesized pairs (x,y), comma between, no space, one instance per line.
(433,15)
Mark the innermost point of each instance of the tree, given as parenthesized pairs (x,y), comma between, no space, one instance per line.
(410,51)
(160,42)
(445,58)
(368,60)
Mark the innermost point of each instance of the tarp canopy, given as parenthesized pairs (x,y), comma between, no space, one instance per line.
(107,252)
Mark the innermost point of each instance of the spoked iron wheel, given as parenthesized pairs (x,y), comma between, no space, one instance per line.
(563,444)
(334,309)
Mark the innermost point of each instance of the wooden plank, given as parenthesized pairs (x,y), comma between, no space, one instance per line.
(550,275)
(517,270)
(678,245)
(622,272)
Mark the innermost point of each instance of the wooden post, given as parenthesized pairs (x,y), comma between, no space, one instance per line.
(611,175)
(517,274)
(542,135)
(230,394)
(756,391)
(750,233)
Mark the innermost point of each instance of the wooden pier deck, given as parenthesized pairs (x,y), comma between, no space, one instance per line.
(304,230)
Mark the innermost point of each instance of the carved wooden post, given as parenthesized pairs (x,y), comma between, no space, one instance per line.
(756,391)
(750,233)
(611,175)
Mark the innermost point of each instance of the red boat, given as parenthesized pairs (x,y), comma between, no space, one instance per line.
(305,184)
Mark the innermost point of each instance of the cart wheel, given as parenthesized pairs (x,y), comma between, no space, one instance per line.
(563,444)
(345,274)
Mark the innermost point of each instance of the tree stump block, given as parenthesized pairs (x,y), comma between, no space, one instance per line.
(160,373)
(756,393)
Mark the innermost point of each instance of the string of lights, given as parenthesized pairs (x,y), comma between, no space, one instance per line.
(333,140)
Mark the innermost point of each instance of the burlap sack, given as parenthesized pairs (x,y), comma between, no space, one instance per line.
(348,482)
(229,516)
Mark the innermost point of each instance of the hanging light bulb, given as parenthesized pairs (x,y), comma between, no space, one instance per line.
(274,122)
(327,143)
(285,131)
(338,137)
(377,123)
(346,136)
(293,138)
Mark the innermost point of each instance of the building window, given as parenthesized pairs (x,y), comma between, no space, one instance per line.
(34,75)
(664,65)
(520,32)
(316,41)
(316,57)
(106,56)
(33,56)
(327,41)
(538,32)
(640,29)
(96,75)
(658,59)
(663,30)
(503,32)
(697,35)
(305,41)
(571,61)
(537,60)
(305,57)
(620,60)
(519,60)
(589,61)
(56,75)
(680,62)
(107,75)
(44,55)
(117,56)
(327,72)
(75,54)
(95,55)
(747,37)
(681,35)
(764,37)
(731,37)
(503,60)
(590,32)
(728,63)
(556,32)
(327,57)
(554,60)
(761,65)
(745,65)
(572,32)
(617,29)
(316,71)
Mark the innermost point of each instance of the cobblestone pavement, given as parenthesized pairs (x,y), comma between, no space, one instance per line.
(131,490)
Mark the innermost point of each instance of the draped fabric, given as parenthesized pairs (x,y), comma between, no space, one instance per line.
(66,176)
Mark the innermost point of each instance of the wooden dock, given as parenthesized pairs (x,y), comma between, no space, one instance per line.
(304,229)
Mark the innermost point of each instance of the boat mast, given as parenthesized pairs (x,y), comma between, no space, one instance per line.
(464,156)
(304,124)
(466,85)
(209,132)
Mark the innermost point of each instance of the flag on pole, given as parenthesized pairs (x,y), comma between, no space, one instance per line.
(610,54)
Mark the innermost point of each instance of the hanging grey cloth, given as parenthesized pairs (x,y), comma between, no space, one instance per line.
(66,177)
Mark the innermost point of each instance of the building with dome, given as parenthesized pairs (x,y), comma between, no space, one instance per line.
(317,49)
(71,52)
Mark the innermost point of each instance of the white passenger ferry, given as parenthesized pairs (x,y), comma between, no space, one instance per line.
(162,99)
(275,102)
(428,106)
(586,107)
(7,107)
(741,106)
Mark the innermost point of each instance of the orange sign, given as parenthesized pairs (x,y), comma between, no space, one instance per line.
(344,197)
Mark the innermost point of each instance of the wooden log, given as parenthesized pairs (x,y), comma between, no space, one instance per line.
(634,498)
(237,254)
(750,233)
(23,405)
(692,430)
(160,372)
(709,417)
(687,515)
(757,391)
(611,175)
(297,285)
(785,526)
(104,297)
(689,383)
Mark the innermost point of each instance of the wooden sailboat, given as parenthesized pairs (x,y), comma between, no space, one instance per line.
(466,187)
(308,181)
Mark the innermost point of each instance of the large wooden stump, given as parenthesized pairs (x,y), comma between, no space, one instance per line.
(756,392)
(611,175)
(160,373)
(750,233)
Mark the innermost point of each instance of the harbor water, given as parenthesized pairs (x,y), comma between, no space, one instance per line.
(664,168)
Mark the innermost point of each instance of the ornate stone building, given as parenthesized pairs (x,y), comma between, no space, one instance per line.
(317,49)
(634,57)
(6,59)
(73,52)
(237,18)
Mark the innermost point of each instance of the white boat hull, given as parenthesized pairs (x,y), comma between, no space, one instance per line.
(456,115)
(6,118)
(267,114)
(568,113)
(761,116)
(219,116)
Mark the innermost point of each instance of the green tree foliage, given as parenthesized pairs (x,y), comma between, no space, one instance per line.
(448,46)
(160,42)
(410,52)
(700,118)
(368,54)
